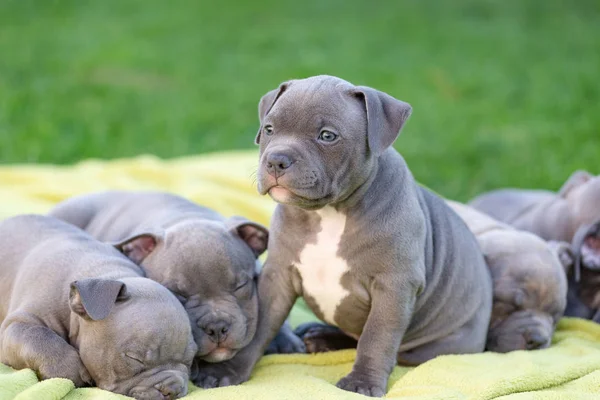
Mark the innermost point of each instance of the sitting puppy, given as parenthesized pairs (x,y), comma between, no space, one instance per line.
(369,250)
(530,287)
(75,308)
(208,261)
(583,272)
(551,216)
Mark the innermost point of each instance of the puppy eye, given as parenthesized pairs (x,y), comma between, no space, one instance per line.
(243,285)
(134,357)
(268,129)
(327,136)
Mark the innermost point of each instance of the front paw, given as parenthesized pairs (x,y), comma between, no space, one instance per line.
(320,338)
(286,342)
(212,375)
(358,383)
(70,367)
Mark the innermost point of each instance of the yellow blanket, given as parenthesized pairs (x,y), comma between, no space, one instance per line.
(570,369)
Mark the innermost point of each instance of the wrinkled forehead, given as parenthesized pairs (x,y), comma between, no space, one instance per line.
(208,260)
(134,324)
(544,292)
(307,104)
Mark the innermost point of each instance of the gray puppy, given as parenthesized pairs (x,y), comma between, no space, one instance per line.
(530,287)
(552,216)
(369,250)
(583,272)
(75,308)
(208,261)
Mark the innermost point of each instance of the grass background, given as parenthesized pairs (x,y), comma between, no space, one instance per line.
(505,93)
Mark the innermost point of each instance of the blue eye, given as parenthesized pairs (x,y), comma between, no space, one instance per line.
(327,136)
(268,130)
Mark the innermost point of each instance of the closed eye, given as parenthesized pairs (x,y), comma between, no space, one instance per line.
(242,285)
(134,357)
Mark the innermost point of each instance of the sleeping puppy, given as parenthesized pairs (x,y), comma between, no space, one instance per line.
(530,287)
(369,250)
(207,260)
(551,216)
(583,271)
(72,307)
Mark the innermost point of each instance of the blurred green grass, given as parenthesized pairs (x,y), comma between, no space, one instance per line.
(504,93)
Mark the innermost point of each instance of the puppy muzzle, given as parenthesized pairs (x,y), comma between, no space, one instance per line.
(520,333)
(155,385)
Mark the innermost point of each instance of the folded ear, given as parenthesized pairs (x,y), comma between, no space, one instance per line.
(385,117)
(138,246)
(576,179)
(564,253)
(267,102)
(93,299)
(255,235)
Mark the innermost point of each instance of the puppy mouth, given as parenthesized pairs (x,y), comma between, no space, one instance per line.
(219,354)
(291,196)
(279,193)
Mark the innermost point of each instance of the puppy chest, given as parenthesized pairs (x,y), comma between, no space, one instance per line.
(320,266)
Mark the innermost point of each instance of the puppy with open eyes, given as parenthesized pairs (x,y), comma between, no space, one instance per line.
(72,307)
(370,251)
(530,288)
(208,261)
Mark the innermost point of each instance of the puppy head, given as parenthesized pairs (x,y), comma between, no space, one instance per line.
(320,137)
(134,336)
(210,266)
(530,291)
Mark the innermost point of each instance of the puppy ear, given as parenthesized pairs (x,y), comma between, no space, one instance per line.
(267,102)
(138,247)
(576,179)
(579,238)
(385,117)
(93,299)
(255,235)
(564,253)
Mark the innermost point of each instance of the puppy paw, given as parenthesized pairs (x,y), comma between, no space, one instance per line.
(319,338)
(356,383)
(208,376)
(69,367)
(286,342)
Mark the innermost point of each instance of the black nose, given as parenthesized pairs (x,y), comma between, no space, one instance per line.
(277,164)
(535,341)
(217,331)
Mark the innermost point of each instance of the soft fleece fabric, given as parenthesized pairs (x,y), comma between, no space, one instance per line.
(570,369)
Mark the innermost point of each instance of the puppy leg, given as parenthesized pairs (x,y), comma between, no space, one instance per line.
(469,339)
(26,345)
(382,334)
(286,342)
(319,338)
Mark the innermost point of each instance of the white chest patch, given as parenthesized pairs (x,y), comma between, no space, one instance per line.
(320,266)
